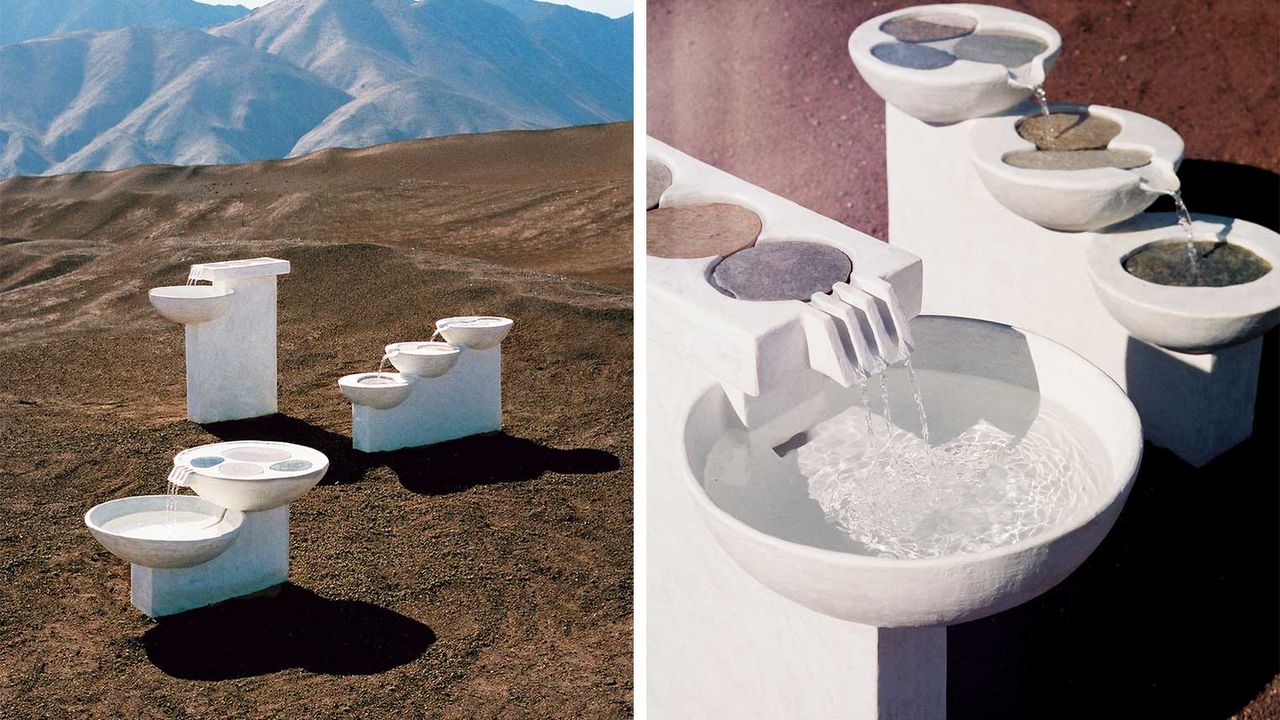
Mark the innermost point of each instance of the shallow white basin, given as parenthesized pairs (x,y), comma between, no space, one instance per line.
(250,475)
(755,493)
(144,531)
(381,391)
(424,359)
(478,332)
(190,304)
(1192,320)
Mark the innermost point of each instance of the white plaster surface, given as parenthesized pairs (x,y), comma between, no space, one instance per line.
(464,401)
(981,260)
(231,361)
(964,89)
(159,552)
(257,560)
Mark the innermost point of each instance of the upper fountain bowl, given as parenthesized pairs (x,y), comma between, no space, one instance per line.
(424,359)
(477,332)
(1191,320)
(191,304)
(250,475)
(922,77)
(381,391)
(973,374)
(142,529)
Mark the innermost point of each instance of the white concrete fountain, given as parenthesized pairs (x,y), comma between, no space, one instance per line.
(443,390)
(230,336)
(232,540)
(1003,241)
(764,607)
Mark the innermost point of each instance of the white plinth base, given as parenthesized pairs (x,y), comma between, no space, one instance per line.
(231,361)
(983,261)
(721,645)
(464,401)
(259,559)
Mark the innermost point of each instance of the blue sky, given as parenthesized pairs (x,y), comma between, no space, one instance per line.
(612,8)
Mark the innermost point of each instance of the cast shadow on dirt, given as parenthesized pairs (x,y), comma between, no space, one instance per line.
(296,628)
(439,469)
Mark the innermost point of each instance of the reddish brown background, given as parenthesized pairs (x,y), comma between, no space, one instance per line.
(765,89)
(1177,614)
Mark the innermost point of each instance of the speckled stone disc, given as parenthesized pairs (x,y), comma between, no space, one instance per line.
(999,49)
(1070,131)
(699,231)
(1218,264)
(1077,159)
(787,270)
(928,28)
(659,179)
(916,57)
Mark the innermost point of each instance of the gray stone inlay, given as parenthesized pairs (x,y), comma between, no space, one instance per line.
(999,49)
(1077,159)
(916,57)
(928,28)
(785,270)
(1219,264)
(1068,131)
(659,179)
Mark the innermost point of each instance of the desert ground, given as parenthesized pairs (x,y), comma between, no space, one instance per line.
(1176,614)
(487,577)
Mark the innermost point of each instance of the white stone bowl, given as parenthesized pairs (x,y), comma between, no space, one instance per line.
(104,522)
(380,397)
(952,588)
(190,304)
(478,332)
(1077,200)
(258,492)
(1191,320)
(424,359)
(964,89)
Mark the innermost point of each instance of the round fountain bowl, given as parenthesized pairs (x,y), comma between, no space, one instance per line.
(424,359)
(190,304)
(142,531)
(252,475)
(755,498)
(1193,320)
(381,391)
(478,332)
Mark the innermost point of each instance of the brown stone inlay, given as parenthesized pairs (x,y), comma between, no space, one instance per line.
(659,179)
(1077,159)
(1218,264)
(698,231)
(1068,131)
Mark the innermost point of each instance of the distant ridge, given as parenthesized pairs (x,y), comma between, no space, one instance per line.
(25,19)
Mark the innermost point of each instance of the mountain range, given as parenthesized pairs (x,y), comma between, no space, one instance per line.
(144,83)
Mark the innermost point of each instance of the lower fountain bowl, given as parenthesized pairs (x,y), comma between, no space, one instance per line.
(381,391)
(478,332)
(1193,320)
(753,496)
(191,304)
(138,529)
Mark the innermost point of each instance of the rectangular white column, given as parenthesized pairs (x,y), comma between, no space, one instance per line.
(983,261)
(259,559)
(464,401)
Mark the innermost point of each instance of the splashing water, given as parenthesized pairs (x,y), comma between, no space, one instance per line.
(1184,219)
(915,392)
(1043,99)
(866,403)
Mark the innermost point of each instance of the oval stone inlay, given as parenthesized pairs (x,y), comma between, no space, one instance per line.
(999,49)
(257,454)
(292,466)
(916,57)
(659,179)
(699,231)
(1077,159)
(207,461)
(1068,131)
(1218,264)
(239,469)
(928,28)
(784,270)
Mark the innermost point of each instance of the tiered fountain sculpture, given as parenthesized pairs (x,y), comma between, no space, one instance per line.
(230,540)
(443,390)
(1027,213)
(816,542)
(230,336)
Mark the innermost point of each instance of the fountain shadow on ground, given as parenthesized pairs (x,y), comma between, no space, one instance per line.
(440,469)
(1181,594)
(296,628)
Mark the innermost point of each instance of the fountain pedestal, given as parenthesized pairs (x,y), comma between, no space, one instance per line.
(256,561)
(231,361)
(981,260)
(464,401)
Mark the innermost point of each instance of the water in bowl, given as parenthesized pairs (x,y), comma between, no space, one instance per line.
(165,525)
(1215,264)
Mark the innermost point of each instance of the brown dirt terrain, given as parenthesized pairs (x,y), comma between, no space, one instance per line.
(488,577)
